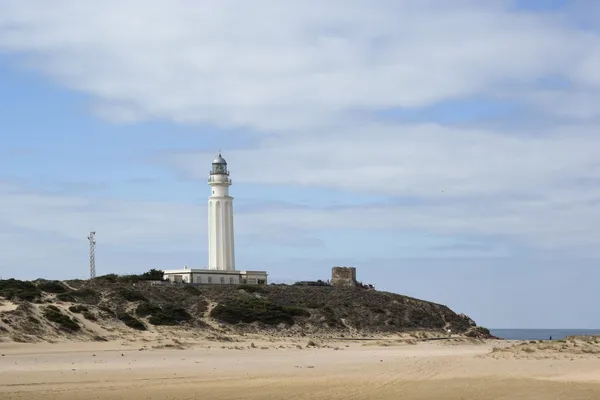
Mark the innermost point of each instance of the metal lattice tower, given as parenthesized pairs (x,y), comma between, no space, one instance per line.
(92,239)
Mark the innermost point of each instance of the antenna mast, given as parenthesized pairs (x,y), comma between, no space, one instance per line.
(92,239)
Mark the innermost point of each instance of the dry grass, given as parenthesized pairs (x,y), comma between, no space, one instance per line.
(571,347)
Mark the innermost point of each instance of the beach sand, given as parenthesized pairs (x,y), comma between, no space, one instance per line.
(255,369)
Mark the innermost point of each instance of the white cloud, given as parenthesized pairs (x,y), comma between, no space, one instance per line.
(303,68)
(417,160)
(287,65)
(538,188)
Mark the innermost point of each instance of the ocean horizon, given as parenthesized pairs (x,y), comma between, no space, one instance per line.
(541,334)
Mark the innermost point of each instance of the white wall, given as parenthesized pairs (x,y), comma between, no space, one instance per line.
(215,279)
(252,278)
(185,277)
(221,253)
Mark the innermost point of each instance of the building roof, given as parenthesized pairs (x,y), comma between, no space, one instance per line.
(199,271)
(210,271)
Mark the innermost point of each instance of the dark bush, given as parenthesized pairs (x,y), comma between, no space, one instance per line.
(52,287)
(169,315)
(191,290)
(132,322)
(128,278)
(330,318)
(296,311)
(78,308)
(13,289)
(112,278)
(89,316)
(84,295)
(153,275)
(252,310)
(251,288)
(311,283)
(131,295)
(64,322)
(146,309)
(66,297)
(479,332)
(106,309)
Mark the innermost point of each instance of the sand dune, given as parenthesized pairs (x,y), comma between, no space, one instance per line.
(263,369)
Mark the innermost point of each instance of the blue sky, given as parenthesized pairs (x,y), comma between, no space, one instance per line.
(447,149)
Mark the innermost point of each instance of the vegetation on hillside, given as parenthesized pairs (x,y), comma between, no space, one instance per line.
(135,303)
(64,322)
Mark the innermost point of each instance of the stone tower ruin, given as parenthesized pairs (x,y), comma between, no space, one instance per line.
(343,276)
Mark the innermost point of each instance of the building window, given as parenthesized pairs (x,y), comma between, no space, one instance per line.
(210,279)
(231,281)
(251,281)
(222,280)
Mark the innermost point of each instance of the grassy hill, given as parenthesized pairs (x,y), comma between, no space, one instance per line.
(103,309)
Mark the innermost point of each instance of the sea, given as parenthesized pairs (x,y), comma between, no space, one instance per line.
(541,334)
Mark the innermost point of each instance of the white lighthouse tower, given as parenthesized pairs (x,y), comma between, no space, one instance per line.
(221,255)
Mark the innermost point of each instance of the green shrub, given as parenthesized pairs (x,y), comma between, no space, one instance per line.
(252,310)
(84,295)
(145,309)
(132,322)
(13,289)
(106,309)
(131,295)
(78,308)
(128,278)
(66,297)
(153,275)
(89,316)
(478,331)
(112,278)
(191,290)
(169,315)
(52,287)
(330,318)
(296,311)
(66,323)
(251,288)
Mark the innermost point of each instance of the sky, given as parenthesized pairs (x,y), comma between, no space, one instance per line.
(447,149)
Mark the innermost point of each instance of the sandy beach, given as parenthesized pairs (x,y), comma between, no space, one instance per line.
(254,369)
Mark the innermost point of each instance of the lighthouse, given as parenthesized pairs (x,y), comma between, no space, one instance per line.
(221,254)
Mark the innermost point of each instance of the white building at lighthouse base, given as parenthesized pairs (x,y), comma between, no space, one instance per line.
(215,277)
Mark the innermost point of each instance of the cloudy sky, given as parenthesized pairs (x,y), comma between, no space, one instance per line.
(449,149)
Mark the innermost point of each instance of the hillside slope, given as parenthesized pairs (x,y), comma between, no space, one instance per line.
(100,310)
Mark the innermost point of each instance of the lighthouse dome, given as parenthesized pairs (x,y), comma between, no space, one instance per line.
(219,160)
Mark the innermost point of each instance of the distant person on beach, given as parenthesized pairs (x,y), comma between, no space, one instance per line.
(550,337)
